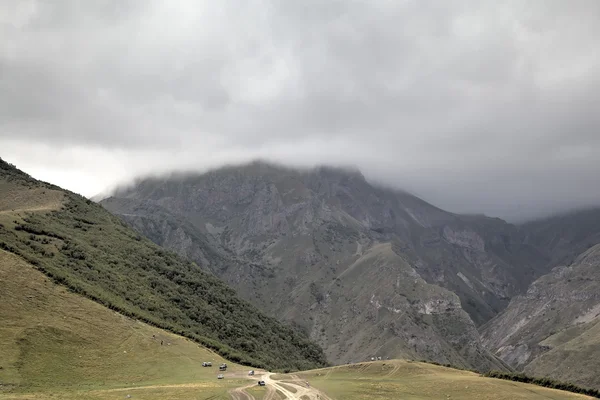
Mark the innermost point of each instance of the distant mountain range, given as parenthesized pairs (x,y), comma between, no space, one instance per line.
(368,271)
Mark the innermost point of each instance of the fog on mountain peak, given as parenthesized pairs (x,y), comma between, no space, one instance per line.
(476,107)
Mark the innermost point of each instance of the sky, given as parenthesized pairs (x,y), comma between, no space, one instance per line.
(476,106)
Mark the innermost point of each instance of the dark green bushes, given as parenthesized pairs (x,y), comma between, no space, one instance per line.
(520,377)
(546,382)
(36,231)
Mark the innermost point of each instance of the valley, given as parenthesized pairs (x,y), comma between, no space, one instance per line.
(92,308)
(56,344)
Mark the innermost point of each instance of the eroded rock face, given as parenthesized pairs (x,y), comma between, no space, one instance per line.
(556,322)
(467,239)
(291,241)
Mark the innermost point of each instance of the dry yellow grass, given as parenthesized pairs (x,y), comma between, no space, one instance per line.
(16,198)
(398,379)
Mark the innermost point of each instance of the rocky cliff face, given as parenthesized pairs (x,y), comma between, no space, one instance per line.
(554,328)
(365,270)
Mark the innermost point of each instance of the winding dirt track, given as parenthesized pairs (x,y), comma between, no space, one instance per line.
(303,390)
(240,393)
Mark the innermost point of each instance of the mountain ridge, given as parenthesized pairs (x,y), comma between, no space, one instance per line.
(554,328)
(297,231)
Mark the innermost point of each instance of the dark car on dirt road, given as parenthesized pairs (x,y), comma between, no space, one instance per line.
(261,383)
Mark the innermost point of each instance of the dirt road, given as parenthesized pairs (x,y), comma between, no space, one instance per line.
(241,394)
(292,388)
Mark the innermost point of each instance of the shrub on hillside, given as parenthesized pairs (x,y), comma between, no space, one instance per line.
(546,382)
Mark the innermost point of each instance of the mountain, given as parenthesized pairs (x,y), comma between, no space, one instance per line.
(364,270)
(80,245)
(554,328)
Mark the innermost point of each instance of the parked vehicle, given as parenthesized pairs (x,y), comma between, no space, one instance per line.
(207,364)
(220,376)
(261,383)
(223,367)
(251,373)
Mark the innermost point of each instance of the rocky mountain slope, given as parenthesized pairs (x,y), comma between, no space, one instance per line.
(366,271)
(80,245)
(554,328)
(564,237)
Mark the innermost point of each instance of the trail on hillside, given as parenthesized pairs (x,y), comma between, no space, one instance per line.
(15,199)
(147,387)
(241,394)
(302,389)
(46,207)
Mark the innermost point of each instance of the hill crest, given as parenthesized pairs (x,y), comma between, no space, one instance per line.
(79,244)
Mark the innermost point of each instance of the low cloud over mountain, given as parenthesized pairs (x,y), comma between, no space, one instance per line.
(475,106)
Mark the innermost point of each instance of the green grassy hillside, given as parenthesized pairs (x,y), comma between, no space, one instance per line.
(57,344)
(397,379)
(80,245)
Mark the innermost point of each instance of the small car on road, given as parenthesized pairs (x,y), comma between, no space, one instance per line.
(261,383)
(220,376)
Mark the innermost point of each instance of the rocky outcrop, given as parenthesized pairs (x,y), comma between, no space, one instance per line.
(465,239)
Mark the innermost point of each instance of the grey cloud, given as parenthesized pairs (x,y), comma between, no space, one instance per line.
(476,105)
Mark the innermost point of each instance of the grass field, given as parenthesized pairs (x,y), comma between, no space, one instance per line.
(407,380)
(55,344)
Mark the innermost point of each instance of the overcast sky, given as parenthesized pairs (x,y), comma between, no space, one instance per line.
(474,105)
